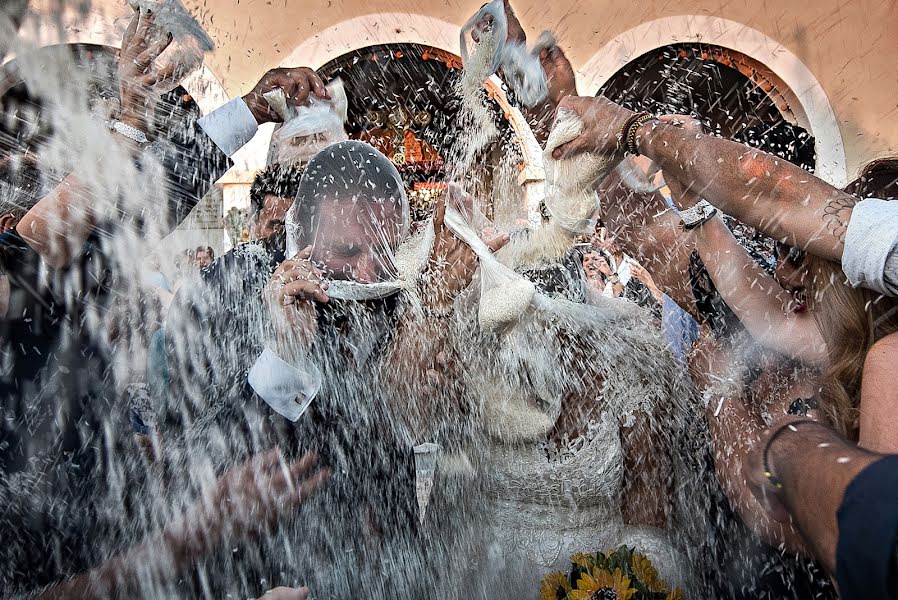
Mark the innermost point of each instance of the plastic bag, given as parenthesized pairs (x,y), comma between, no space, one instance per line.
(353,211)
(485,50)
(309,128)
(504,295)
(523,71)
(481,46)
(189,40)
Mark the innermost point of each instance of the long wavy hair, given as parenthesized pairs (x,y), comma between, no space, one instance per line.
(851,319)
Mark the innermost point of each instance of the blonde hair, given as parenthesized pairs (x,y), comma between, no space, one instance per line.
(850,319)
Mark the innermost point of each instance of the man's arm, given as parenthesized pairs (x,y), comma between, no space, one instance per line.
(814,466)
(760,189)
(248,500)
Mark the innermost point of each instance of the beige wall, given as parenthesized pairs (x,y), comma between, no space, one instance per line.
(848,47)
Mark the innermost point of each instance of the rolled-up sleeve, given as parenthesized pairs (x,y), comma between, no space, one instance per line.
(870,258)
(288,389)
(231,127)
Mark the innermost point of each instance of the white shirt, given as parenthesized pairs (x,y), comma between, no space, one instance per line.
(231,126)
(288,389)
(870,257)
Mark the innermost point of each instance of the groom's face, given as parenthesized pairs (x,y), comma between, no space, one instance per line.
(355,239)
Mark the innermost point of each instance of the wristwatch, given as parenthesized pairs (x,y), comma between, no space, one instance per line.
(696,215)
(132,133)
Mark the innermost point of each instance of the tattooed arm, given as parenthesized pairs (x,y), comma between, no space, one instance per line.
(759,189)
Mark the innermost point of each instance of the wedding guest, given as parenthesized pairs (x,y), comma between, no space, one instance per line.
(839,496)
(203,257)
(62,489)
(600,278)
(227,304)
(811,214)
(339,367)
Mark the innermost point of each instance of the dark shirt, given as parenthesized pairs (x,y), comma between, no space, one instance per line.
(69,487)
(217,331)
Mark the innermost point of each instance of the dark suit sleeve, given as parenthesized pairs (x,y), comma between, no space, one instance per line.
(191,160)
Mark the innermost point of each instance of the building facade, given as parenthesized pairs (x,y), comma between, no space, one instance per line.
(826,68)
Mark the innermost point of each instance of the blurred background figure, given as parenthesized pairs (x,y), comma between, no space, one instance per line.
(203,257)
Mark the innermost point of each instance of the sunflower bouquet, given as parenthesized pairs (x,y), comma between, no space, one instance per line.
(621,574)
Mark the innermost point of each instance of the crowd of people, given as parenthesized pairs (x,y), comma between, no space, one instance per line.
(272,411)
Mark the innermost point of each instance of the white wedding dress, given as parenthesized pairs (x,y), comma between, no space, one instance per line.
(543,503)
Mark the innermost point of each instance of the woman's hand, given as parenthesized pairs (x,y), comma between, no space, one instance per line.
(602,120)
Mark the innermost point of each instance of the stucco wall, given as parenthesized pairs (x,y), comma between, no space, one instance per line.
(848,47)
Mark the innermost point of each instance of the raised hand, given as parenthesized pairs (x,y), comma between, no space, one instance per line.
(289,297)
(285,593)
(559,73)
(141,46)
(298,83)
(253,497)
(452,263)
(603,121)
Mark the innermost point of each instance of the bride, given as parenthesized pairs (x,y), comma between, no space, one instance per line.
(564,443)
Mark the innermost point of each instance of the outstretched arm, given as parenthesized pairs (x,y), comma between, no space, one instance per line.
(735,431)
(248,500)
(765,309)
(759,189)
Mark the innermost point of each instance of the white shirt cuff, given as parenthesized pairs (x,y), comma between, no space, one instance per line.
(286,388)
(231,126)
(871,245)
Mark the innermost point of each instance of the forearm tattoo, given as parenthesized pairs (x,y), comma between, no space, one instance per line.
(836,214)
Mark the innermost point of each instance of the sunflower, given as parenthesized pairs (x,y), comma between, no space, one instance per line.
(646,573)
(676,594)
(602,585)
(554,586)
(587,561)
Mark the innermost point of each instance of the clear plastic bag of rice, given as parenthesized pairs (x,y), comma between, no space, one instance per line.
(309,128)
(189,40)
(482,40)
(505,296)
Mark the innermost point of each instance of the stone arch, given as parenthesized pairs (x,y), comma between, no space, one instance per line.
(798,79)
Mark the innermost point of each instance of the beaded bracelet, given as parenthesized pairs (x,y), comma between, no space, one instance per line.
(627,137)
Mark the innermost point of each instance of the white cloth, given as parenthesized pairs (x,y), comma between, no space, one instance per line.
(870,257)
(231,126)
(286,388)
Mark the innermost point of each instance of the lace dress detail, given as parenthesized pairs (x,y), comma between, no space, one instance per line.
(546,503)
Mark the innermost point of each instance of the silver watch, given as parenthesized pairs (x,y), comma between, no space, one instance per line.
(132,133)
(698,214)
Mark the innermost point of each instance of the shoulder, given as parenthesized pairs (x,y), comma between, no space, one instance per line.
(885,348)
(881,360)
